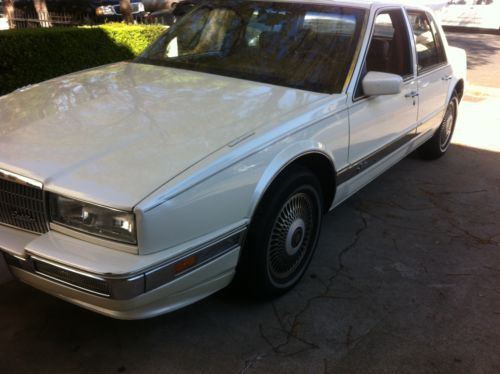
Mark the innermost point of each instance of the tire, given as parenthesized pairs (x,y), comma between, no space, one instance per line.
(282,236)
(437,146)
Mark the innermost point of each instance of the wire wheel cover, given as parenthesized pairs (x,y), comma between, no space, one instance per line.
(291,237)
(447,126)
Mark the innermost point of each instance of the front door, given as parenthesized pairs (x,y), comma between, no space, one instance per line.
(383,123)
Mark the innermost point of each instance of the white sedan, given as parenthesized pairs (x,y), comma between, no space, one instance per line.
(137,188)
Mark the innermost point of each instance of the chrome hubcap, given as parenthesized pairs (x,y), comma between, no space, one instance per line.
(295,236)
(291,237)
(447,127)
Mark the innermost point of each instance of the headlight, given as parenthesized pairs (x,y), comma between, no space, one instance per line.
(94,219)
(106,10)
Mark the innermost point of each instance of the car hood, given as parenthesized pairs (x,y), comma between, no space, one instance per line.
(114,134)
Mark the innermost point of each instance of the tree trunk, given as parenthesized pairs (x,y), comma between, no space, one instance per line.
(126,11)
(8,7)
(42,12)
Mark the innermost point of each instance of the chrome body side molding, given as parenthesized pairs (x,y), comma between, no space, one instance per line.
(362,165)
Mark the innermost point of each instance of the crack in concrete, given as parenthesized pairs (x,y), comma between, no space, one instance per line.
(350,341)
(292,331)
(249,364)
(408,228)
(393,204)
(475,238)
(478,239)
(432,193)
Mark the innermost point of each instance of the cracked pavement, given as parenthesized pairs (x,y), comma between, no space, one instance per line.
(405,279)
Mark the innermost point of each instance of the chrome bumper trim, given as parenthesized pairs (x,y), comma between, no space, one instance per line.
(124,287)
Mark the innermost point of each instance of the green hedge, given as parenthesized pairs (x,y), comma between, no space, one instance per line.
(33,55)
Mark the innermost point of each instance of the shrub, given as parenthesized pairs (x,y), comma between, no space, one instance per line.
(30,56)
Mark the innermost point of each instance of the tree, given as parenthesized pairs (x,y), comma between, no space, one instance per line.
(8,6)
(126,10)
(42,12)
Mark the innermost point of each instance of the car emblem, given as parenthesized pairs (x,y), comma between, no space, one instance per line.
(22,216)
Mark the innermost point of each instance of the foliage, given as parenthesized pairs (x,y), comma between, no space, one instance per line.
(30,56)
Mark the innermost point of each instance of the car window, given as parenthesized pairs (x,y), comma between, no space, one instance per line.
(389,50)
(383,27)
(428,42)
(305,46)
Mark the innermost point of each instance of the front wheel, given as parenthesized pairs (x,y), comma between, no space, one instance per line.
(283,234)
(437,146)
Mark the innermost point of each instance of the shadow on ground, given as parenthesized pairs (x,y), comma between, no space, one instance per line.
(405,279)
(480,48)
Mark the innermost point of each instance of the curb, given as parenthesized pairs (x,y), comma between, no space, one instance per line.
(482,91)
(470,30)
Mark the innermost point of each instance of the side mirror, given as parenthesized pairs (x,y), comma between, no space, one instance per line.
(376,83)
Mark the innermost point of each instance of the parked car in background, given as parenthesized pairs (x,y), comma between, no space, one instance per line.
(97,11)
(172,13)
(140,187)
(153,5)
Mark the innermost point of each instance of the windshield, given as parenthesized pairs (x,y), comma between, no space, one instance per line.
(304,46)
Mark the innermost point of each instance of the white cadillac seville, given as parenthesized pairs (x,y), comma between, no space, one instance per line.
(137,188)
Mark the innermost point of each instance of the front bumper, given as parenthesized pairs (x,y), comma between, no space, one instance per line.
(149,290)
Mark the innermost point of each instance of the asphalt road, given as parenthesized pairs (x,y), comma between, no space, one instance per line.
(405,280)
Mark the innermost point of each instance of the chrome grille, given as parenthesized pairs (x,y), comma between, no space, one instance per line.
(22,206)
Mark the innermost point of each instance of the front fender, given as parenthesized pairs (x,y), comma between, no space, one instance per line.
(284,158)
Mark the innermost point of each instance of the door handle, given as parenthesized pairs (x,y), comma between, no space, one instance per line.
(412,94)
(446,78)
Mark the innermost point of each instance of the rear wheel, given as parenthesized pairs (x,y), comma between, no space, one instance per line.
(283,234)
(437,146)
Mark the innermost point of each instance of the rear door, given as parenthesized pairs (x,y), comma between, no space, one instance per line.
(434,71)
